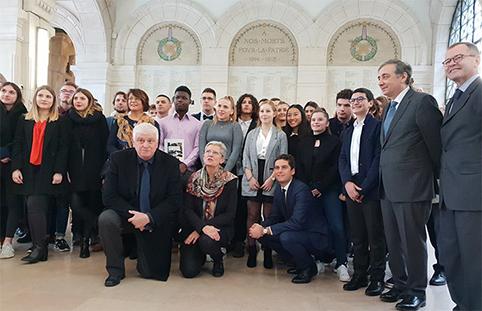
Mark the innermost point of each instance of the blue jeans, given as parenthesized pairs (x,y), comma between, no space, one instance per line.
(333,210)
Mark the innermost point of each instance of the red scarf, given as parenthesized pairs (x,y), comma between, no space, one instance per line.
(38,142)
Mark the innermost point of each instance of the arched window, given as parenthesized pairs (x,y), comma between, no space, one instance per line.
(466,26)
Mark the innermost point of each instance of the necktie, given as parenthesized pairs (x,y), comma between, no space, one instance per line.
(455,99)
(144,202)
(284,194)
(389,117)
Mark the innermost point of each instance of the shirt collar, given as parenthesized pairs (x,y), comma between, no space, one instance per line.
(287,185)
(467,83)
(175,115)
(359,122)
(141,161)
(400,96)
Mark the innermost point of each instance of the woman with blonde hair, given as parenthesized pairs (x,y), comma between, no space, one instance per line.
(263,145)
(223,128)
(87,155)
(39,161)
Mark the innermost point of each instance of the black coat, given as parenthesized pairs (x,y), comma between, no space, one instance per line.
(319,171)
(8,125)
(38,179)
(191,216)
(87,152)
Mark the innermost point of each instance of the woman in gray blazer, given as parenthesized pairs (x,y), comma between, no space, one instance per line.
(263,145)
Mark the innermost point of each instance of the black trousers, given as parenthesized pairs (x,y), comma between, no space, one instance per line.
(37,211)
(432,225)
(11,205)
(406,237)
(240,231)
(460,243)
(193,256)
(153,248)
(87,206)
(368,238)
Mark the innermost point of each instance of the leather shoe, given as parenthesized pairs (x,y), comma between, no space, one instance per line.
(218,269)
(392,295)
(411,303)
(438,279)
(292,271)
(305,275)
(112,281)
(375,288)
(355,283)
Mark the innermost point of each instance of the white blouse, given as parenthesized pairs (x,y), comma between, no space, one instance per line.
(262,144)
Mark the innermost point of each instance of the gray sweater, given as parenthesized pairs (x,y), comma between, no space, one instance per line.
(229,133)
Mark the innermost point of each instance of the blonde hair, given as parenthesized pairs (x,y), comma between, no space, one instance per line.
(33,114)
(233,117)
(92,107)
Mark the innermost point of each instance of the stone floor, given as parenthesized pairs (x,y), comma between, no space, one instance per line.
(66,282)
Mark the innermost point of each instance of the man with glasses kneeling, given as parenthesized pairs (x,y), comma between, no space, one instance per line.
(296,228)
(142,194)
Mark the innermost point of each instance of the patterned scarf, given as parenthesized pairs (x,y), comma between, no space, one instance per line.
(199,185)
(125,130)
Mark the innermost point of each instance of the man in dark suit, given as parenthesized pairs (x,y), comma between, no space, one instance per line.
(409,164)
(296,228)
(358,166)
(460,230)
(208,100)
(343,116)
(142,194)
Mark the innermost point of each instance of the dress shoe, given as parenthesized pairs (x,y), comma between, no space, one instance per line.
(39,253)
(238,250)
(252,252)
(218,269)
(24,239)
(305,275)
(112,281)
(268,258)
(355,283)
(392,295)
(411,303)
(438,279)
(389,283)
(375,288)
(84,248)
(292,270)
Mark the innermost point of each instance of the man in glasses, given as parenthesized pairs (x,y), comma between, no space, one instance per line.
(208,99)
(460,234)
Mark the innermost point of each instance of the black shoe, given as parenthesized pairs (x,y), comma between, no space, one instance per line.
(375,288)
(389,283)
(238,250)
(355,283)
(268,258)
(252,252)
(39,253)
(292,271)
(392,295)
(411,303)
(438,279)
(61,245)
(112,281)
(25,239)
(218,269)
(84,248)
(305,276)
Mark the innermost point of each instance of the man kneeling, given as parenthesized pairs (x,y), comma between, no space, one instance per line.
(296,228)
(142,194)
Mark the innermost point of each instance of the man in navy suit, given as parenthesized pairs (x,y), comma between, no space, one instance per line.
(358,166)
(296,228)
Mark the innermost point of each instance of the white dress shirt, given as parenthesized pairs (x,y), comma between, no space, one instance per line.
(355,145)
(245,126)
(400,97)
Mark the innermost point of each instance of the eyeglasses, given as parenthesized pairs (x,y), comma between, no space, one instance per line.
(357,100)
(456,59)
(207,98)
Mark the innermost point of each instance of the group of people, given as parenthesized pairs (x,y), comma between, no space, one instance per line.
(286,177)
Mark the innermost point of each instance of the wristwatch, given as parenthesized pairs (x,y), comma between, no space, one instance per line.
(265,231)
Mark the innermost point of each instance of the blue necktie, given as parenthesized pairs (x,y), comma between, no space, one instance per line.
(144,202)
(389,117)
(455,99)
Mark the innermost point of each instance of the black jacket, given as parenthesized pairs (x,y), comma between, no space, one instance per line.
(87,154)
(320,171)
(8,125)
(38,179)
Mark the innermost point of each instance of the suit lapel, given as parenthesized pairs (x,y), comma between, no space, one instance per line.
(49,132)
(462,101)
(402,107)
(29,133)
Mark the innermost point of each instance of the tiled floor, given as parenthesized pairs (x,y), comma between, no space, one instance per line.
(66,282)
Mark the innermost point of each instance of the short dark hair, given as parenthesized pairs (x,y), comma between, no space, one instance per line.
(365,91)
(143,97)
(183,88)
(344,94)
(165,96)
(117,94)
(209,90)
(254,103)
(400,69)
(311,104)
(287,157)
(70,83)
(274,99)
(472,47)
